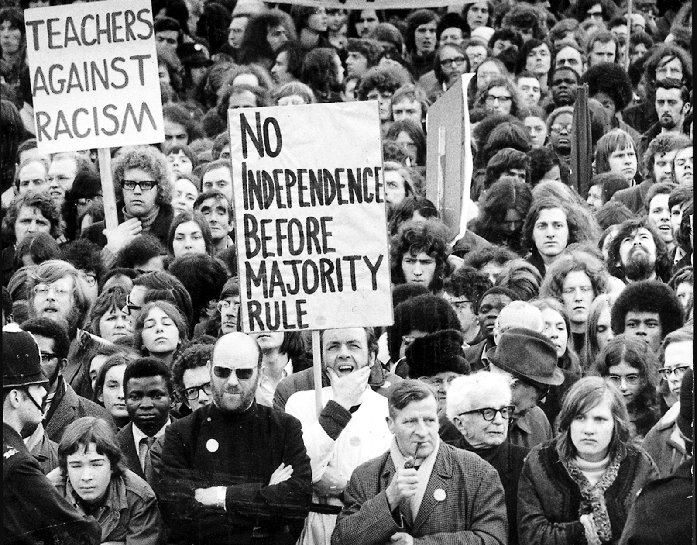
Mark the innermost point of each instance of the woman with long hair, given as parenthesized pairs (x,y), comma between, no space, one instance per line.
(629,364)
(160,331)
(323,72)
(578,487)
(557,328)
(598,330)
(189,233)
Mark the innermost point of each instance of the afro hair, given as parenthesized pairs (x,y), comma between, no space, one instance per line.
(611,79)
(647,296)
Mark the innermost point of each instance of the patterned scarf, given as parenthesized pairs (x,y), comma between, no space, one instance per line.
(594,495)
(145,221)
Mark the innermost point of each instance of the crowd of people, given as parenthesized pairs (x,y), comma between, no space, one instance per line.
(536,386)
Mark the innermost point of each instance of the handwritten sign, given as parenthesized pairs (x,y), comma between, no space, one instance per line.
(94,78)
(310,217)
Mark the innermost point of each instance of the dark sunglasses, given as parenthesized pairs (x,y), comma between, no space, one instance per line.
(225,372)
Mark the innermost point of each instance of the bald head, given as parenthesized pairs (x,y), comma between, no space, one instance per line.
(237,346)
(234,372)
(518,314)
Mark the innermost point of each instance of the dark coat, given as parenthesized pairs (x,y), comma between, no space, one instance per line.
(69,407)
(473,510)
(128,449)
(240,451)
(507,460)
(549,500)
(33,510)
(647,523)
(159,228)
(633,197)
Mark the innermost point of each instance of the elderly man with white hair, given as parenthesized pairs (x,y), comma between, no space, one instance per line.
(480,406)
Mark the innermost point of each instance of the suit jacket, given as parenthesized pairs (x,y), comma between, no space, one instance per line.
(128,448)
(71,407)
(474,508)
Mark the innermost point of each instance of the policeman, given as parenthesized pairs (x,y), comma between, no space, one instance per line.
(33,511)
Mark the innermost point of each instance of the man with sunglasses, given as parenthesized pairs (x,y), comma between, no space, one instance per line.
(234,471)
(530,359)
(143,195)
(33,511)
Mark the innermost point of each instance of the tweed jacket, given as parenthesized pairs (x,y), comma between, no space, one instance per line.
(549,500)
(71,407)
(472,511)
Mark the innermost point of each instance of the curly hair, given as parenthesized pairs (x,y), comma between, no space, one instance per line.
(505,194)
(384,79)
(428,313)
(647,296)
(430,237)
(611,79)
(193,356)
(487,254)
(255,46)
(525,16)
(571,261)
(40,202)
(627,229)
(146,158)
(140,250)
(663,54)
(467,282)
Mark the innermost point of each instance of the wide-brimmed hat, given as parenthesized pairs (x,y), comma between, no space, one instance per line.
(528,355)
(21,360)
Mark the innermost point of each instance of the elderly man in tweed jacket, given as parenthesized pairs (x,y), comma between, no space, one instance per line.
(421,487)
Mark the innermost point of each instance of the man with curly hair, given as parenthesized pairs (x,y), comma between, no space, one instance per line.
(638,253)
(648,310)
(143,194)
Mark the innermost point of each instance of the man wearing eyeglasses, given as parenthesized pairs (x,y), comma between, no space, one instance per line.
(664,442)
(234,471)
(191,377)
(143,194)
(62,404)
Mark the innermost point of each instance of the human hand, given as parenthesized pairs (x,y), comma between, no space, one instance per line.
(211,497)
(56,477)
(402,538)
(402,486)
(123,234)
(332,483)
(348,389)
(282,473)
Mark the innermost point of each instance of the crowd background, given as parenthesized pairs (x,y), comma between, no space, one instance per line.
(600,282)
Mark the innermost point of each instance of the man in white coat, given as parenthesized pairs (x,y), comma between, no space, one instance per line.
(350,430)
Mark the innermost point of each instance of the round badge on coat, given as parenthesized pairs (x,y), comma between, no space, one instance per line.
(439,494)
(212,445)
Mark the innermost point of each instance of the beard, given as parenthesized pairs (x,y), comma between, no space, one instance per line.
(667,122)
(638,266)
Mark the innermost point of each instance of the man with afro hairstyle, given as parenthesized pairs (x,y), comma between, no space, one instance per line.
(648,310)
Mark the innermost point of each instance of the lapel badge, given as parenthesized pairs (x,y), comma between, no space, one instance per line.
(212,445)
(439,494)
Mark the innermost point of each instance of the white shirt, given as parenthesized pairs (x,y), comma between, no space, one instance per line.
(138,435)
(266,388)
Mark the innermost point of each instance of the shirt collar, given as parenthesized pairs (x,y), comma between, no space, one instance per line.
(138,434)
(287,370)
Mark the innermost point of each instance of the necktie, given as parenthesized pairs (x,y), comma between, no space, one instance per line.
(144,455)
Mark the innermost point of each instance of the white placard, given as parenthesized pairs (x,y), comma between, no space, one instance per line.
(310,219)
(94,77)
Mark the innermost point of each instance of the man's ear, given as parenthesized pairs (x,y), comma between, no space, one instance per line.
(686,108)
(62,363)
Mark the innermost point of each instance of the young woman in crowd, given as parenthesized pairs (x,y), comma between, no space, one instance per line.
(189,234)
(160,331)
(629,364)
(598,330)
(579,486)
(108,317)
(108,388)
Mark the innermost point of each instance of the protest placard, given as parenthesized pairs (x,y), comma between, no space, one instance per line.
(93,74)
(310,220)
(449,156)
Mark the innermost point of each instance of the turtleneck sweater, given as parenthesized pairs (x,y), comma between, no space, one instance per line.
(593,471)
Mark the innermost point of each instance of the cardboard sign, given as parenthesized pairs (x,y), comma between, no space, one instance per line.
(93,73)
(310,218)
(449,156)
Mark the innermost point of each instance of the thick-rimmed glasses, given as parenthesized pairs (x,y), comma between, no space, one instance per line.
(193,392)
(489,413)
